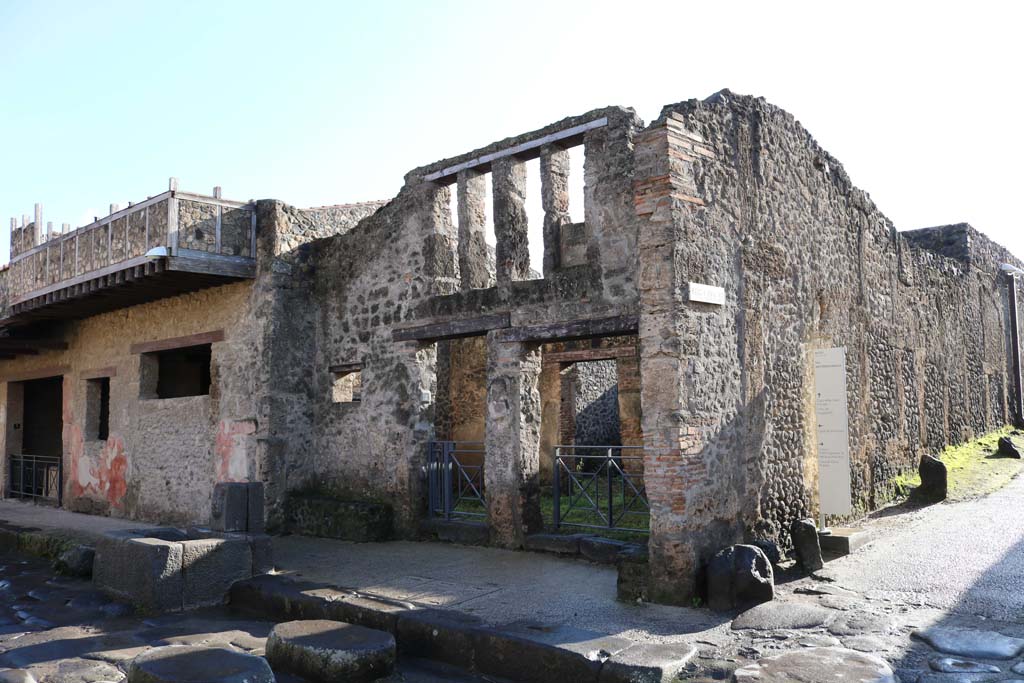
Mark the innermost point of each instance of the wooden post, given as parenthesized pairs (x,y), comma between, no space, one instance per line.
(172,218)
(38,225)
(220,217)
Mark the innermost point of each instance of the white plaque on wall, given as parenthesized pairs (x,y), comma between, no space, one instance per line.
(833,433)
(707,294)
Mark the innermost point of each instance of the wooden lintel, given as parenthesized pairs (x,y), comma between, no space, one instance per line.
(578,355)
(343,368)
(574,329)
(16,343)
(453,329)
(177,342)
(37,373)
(96,373)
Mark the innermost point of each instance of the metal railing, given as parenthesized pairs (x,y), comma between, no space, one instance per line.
(600,487)
(35,476)
(455,473)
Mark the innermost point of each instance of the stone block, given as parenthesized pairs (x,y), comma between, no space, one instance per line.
(560,544)
(329,517)
(601,550)
(141,569)
(209,567)
(805,542)
(841,541)
(230,510)
(633,580)
(934,480)
(76,561)
(463,533)
(255,519)
(262,554)
(176,664)
(739,576)
(1007,448)
(441,635)
(322,650)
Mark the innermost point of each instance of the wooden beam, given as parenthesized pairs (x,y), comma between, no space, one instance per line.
(96,373)
(454,329)
(526,150)
(573,329)
(20,343)
(38,373)
(212,264)
(177,342)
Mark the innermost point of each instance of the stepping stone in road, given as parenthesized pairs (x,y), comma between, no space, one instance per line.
(774,616)
(954,665)
(971,643)
(323,650)
(183,664)
(817,665)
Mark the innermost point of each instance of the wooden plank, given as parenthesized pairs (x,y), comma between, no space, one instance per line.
(526,150)
(211,264)
(96,373)
(581,355)
(572,329)
(345,367)
(454,329)
(215,201)
(37,373)
(177,342)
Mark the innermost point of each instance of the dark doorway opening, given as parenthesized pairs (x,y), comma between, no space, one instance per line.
(35,458)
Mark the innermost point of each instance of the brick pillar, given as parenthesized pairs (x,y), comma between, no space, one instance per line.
(472,200)
(511,470)
(675,400)
(627,371)
(554,188)
(510,224)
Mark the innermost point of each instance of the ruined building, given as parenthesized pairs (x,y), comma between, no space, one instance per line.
(354,350)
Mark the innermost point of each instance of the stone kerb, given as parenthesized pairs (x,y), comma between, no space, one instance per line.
(168,569)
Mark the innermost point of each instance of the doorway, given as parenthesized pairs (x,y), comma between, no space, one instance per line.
(35,441)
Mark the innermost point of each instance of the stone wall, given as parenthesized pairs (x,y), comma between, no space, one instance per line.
(749,202)
(595,406)
(162,456)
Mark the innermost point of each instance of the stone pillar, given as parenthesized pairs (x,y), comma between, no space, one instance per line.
(512,468)
(550,421)
(510,223)
(554,188)
(472,200)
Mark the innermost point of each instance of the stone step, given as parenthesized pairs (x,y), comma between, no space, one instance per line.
(517,651)
(325,650)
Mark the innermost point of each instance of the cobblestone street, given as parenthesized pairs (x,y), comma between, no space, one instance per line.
(55,629)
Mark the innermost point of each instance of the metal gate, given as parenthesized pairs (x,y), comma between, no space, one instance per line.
(39,477)
(455,472)
(600,487)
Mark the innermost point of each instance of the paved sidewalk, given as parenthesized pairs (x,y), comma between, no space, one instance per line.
(24,515)
(497,586)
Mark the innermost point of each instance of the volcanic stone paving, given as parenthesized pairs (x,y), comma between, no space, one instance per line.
(936,596)
(55,629)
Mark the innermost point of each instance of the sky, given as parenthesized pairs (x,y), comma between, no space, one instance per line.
(329,102)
